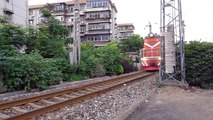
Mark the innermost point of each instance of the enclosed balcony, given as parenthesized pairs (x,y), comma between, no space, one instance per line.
(8,8)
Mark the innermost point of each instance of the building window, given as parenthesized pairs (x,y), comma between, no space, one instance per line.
(98,15)
(82,7)
(90,38)
(105,38)
(97,3)
(40,11)
(82,29)
(71,9)
(30,12)
(7,1)
(62,18)
(59,7)
(102,26)
(99,38)
(82,39)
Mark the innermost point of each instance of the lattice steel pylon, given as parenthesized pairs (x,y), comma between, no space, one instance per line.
(172,65)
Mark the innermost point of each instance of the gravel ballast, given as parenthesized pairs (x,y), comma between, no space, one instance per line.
(109,106)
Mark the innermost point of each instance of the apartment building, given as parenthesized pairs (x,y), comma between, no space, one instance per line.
(16,11)
(97,19)
(125,29)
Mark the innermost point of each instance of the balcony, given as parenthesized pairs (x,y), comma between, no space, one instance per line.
(58,13)
(83,22)
(99,21)
(126,31)
(101,43)
(69,23)
(89,17)
(31,17)
(82,12)
(97,9)
(82,34)
(8,8)
(94,32)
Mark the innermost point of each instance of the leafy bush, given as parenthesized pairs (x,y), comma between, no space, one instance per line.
(91,65)
(110,56)
(199,64)
(26,71)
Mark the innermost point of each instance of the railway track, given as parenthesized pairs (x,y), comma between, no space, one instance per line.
(32,107)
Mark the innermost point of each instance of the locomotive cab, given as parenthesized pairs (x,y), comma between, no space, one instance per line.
(150,54)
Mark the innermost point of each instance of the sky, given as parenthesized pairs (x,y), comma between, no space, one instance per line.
(197,15)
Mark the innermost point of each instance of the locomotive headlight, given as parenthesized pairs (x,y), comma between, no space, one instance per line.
(151,35)
(159,58)
(143,59)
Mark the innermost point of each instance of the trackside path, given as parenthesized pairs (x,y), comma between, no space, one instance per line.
(173,103)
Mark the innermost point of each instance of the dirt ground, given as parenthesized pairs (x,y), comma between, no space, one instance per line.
(175,103)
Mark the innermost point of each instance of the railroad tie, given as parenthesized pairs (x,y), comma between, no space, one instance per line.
(19,110)
(60,99)
(47,102)
(34,105)
(71,96)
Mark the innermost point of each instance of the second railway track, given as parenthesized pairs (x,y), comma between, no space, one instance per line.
(37,105)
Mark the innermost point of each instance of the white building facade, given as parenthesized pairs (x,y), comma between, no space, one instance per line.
(98,19)
(16,11)
(125,30)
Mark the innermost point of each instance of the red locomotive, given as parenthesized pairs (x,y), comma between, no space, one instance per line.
(150,54)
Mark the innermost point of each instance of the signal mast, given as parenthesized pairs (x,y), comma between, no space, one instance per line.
(172,66)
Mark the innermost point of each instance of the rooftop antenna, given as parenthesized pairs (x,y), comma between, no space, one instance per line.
(150,27)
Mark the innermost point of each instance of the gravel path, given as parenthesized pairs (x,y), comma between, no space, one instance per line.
(108,106)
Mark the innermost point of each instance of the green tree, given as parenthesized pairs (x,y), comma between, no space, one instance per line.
(131,44)
(110,57)
(91,65)
(32,43)
(12,35)
(52,37)
(31,70)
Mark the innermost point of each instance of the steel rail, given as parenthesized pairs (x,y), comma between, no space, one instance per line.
(52,94)
(87,91)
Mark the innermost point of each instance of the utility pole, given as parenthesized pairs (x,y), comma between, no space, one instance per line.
(75,48)
(172,65)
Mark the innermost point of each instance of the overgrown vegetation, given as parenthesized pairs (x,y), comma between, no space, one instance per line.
(199,63)
(36,58)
